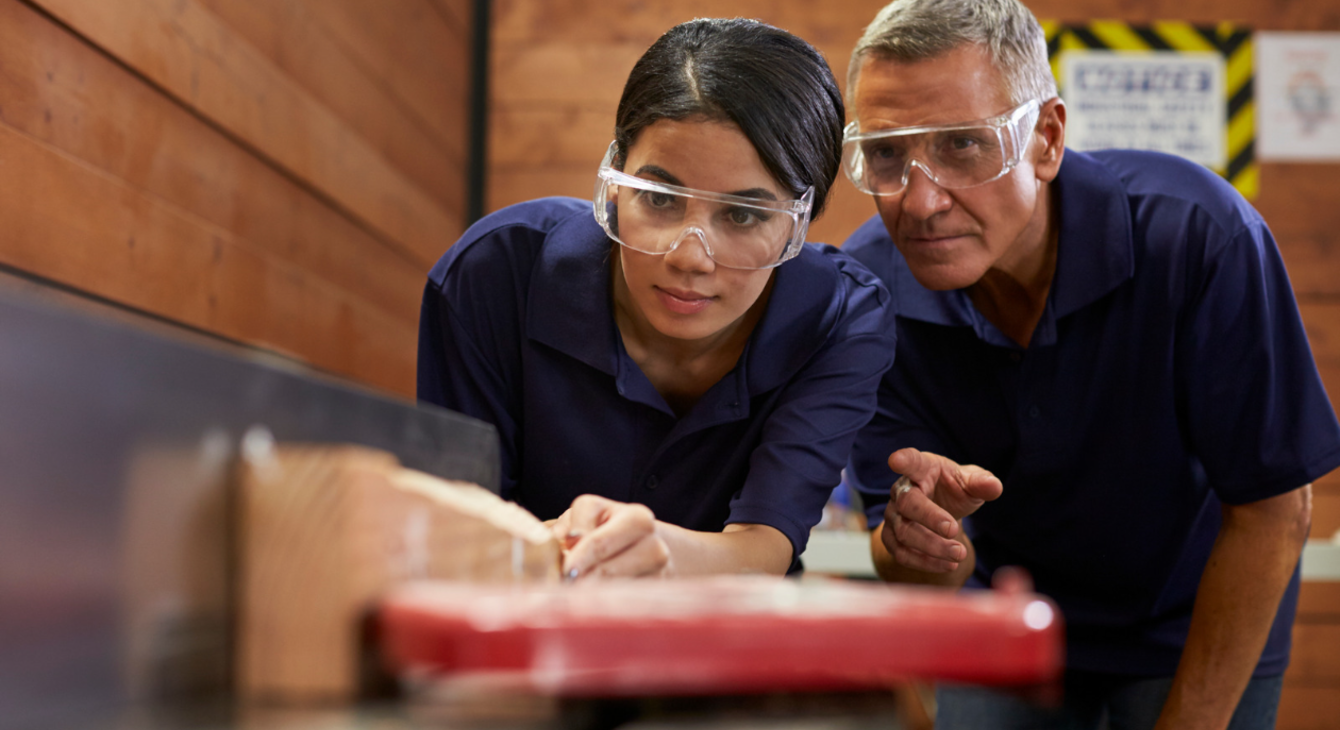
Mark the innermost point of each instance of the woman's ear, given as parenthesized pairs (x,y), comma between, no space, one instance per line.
(1050,132)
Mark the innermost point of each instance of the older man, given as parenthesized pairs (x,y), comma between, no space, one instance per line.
(1111,339)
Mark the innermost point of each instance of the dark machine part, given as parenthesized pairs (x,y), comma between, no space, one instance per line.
(116,446)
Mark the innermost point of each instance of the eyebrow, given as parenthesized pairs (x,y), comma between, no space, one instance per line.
(665,176)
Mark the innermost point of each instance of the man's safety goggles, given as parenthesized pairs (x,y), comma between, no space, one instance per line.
(952,155)
(737,232)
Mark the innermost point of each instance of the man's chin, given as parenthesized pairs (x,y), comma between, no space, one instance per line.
(943,277)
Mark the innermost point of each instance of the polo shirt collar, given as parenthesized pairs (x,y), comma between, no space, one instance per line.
(1094,255)
(569,310)
(569,303)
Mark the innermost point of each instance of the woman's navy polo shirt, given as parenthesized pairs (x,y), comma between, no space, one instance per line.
(517,330)
(1169,373)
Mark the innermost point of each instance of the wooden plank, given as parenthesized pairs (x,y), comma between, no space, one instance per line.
(1315,657)
(408,45)
(72,223)
(1319,600)
(506,188)
(582,21)
(326,530)
(1308,708)
(459,15)
(557,72)
(1325,517)
(195,57)
(58,90)
(290,38)
(528,138)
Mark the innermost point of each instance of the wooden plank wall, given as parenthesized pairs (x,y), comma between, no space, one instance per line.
(557,68)
(281,173)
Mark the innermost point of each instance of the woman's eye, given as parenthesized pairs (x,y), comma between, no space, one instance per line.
(658,200)
(745,218)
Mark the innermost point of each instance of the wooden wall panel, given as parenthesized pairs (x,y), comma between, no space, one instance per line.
(64,93)
(191,54)
(296,42)
(277,173)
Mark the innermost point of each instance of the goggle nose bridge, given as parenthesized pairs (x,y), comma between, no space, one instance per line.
(687,231)
(925,169)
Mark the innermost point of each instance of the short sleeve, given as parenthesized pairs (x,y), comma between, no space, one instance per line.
(470,330)
(808,436)
(1257,415)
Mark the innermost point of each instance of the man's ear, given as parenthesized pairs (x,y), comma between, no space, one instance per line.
(1050,133)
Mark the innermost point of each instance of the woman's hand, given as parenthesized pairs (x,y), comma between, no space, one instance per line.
(604,538)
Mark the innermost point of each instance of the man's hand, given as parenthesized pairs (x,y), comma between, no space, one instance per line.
(921,530)
(605,538)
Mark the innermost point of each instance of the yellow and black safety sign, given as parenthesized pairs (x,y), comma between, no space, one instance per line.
(1234,43)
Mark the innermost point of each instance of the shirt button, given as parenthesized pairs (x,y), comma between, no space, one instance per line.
(1034,412)
(1016,357)
(652,482)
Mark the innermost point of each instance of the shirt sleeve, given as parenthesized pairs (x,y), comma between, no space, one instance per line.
(808,436)
(1257,414)
(469,326)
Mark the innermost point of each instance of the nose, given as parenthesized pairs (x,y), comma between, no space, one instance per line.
(922,198)
(689,252)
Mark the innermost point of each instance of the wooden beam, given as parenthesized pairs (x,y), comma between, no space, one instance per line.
(407,44)
(193,56)
(287,34)
(70,222)
(63,93)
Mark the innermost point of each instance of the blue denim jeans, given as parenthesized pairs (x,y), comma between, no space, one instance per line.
(1092,702)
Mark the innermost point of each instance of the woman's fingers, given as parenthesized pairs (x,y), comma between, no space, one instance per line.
(606,529)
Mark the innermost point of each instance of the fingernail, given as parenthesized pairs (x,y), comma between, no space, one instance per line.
(946,529)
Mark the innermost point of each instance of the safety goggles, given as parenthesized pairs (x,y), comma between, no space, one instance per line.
(952,155)
(737,232)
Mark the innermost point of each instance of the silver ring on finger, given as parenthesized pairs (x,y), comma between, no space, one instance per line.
(901,487)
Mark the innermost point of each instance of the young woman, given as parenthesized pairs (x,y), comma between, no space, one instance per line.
(677,379)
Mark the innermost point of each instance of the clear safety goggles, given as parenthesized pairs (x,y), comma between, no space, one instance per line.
(951,155)
(737,232)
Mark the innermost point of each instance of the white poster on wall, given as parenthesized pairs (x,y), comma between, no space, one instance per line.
(1298,96)
(1169,101)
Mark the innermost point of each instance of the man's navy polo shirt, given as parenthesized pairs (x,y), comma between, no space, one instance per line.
(1169,373)
(517,330)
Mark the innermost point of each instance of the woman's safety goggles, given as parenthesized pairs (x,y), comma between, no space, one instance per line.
(952,155)
(737,232)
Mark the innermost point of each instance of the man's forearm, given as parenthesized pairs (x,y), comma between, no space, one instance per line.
(1247,573)
(890,570)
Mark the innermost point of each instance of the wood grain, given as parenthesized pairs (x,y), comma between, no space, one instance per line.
(193,56)
(423,60)
(61,92)
(1315,659)
(1308,708)
(295,42)
(1319,601)
(325,530)
(65,219)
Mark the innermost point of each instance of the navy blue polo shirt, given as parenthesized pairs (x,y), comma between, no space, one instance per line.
(1169,373)
(517,329)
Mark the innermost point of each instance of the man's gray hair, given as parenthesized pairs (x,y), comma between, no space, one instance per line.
(915,30)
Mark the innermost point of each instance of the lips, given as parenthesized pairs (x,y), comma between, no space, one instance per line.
(683,301)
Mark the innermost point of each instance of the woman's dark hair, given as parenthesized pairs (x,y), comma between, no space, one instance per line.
(774,86)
